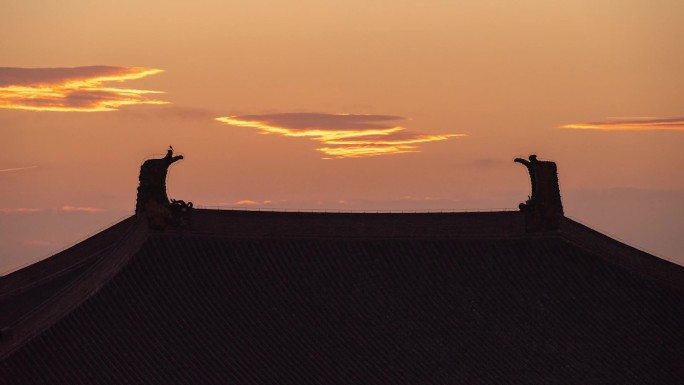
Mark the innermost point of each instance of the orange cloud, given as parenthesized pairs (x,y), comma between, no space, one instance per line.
(72,89)
(19,210)
(81,209)
(345,135)
(631,124)
(246,202)
(17,168)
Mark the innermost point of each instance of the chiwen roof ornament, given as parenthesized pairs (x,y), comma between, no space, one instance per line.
(543,209)
(153,201)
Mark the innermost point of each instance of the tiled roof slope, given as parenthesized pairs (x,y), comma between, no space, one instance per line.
(36,296)
(312,298)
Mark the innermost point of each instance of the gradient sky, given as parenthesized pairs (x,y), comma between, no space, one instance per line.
(355,105)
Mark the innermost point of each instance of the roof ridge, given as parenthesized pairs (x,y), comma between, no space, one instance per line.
(70,255)
(29,285)
(308,224)
(630,258)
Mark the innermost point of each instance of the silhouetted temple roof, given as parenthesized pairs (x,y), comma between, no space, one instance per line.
(329,298)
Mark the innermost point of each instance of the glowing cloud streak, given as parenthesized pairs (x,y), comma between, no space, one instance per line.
(345,135)
(246,202)
(632,124)
(69,208)
(17,168)
(19,210)
(72,89)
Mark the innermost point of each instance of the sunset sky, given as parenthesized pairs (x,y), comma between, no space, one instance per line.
(355,105)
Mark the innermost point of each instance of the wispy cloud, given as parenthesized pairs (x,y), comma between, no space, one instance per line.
(19,210)
(631,124)
(66,208)
(250,202)
(81,209)
(246,202)
(72,89)
(344,135)
(17,169)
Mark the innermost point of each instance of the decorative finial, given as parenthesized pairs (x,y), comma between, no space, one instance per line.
(152,199)
(544,207)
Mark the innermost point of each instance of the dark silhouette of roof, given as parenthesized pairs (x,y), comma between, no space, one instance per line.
(302,298)
(248,297)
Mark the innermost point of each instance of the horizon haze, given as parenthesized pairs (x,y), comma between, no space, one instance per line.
(362,105)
